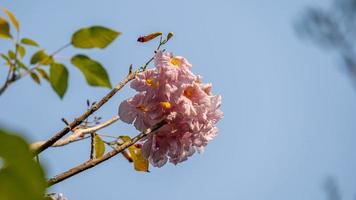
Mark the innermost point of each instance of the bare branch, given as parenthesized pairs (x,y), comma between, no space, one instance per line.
(100,126)
(93,162)
(78,134)
(85,115)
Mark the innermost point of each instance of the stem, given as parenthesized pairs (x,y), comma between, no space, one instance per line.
(38,65)
(101,126)
(7,82)
(92,146)
(93,162)
(12,77)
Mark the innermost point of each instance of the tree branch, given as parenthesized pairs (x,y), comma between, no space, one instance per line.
(94,108)
(11,77)
(7,82)
(85,115)
(93,162)
(77,134)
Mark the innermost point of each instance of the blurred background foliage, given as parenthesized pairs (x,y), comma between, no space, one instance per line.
(21,177)
(333,29)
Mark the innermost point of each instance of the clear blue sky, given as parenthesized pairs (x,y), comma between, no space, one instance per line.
(289,110)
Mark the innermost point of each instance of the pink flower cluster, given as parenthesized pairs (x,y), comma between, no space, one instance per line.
(171,92)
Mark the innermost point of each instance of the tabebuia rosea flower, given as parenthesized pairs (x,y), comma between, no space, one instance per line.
(171,92)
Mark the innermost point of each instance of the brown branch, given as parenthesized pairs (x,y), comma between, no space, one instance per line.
(11,76)
(78,133)
(93,162)
(92,145)
(7,82)
(80,119)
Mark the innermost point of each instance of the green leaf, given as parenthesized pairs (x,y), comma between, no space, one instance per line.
(140,163)
(21,50)
(94,37)
(4,29)
(41,57)
(94,72)
(99,146)
(13,19)
(21,178)
(43,73)
(22,65)
(30,42)
(35,78)
(11,54)
(7,59)
(58,77)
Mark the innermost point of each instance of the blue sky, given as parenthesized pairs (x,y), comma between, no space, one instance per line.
(288,108)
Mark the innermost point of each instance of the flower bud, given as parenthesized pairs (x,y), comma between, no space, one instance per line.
(169,35)
(149,37)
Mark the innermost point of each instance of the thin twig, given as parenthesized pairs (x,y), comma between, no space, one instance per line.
(11,76)
(93,162)
(77,134)
(7,82)
(14,77)
(108,136)
(124,153)
(100,126)
(92,146)
(38,65)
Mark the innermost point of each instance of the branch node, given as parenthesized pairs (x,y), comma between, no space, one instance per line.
(130,69)
(65,121)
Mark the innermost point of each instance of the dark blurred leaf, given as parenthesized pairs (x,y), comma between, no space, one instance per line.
(42,58)
(21,178)
(99,146)
(4,29)
(332,190)
(35,78)
(58,76)
(13,19)
(94,37)
(94,72)
(30,42)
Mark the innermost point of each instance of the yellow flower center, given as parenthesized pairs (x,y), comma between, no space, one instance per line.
(165,104)
(175,61)
(189,92)
(142,108)
(152,83)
